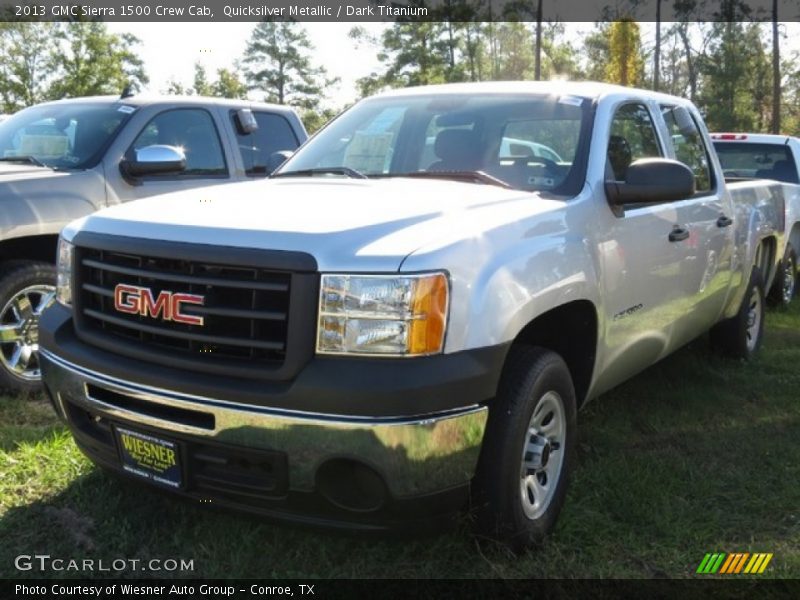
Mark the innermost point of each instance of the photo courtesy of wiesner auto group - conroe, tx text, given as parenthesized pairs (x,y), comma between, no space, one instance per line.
(134,589)
(334,300)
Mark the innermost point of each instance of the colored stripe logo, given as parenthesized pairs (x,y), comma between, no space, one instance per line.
(735,563)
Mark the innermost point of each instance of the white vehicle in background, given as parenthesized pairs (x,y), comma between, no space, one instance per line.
(511,147)
(763,156)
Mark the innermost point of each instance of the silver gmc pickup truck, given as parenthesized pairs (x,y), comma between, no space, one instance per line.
(405,318)
(63,160)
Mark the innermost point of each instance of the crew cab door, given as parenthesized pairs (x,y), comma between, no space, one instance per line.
(649,255)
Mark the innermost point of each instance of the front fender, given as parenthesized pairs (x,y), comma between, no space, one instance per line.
(506,274)
(43,206)
(528,280)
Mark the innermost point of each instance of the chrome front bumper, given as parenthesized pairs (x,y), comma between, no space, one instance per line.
(415,455)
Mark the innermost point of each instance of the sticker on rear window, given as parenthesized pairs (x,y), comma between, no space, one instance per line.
(126,109)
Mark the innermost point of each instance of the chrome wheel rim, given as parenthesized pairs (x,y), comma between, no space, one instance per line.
(789,281)
(543,455)
(19,331)
(753,319)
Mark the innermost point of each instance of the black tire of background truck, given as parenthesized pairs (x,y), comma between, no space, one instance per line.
(15,277)
(735,337)
(531,374)
(785,286)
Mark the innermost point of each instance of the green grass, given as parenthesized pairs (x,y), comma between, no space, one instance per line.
(695,455)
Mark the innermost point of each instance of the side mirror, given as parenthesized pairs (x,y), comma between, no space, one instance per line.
(245,121)
(154,160)
(276,159)
(685,122)
(652,180)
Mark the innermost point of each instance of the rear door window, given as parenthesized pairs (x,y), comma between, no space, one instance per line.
(690,150)
(274,134)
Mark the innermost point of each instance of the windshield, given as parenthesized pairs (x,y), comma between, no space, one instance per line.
(67,136)
(529,142)
(762,161)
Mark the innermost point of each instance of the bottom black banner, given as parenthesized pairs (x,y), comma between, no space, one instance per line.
(377,588)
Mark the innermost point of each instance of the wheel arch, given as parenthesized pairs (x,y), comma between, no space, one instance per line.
(571,331)
(35,247)
(767,260)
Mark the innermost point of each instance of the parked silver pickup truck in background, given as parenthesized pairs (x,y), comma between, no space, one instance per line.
(63,160)
(405,318)
(776,157)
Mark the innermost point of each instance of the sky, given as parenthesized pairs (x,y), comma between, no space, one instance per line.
(170,50)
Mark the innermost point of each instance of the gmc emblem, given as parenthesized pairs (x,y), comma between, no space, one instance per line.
(168,306)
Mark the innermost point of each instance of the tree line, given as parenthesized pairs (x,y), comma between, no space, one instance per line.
(48,61)
(732,70)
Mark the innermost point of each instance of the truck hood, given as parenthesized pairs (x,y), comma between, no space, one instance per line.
(360,225)
(12,172)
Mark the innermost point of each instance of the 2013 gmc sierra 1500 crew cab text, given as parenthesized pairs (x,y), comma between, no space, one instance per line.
(408,314)
(63,160)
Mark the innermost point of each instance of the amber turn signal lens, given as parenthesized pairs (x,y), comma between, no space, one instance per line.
(429,315)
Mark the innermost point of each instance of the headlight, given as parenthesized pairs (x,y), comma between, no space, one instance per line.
(64,268)
(383,314)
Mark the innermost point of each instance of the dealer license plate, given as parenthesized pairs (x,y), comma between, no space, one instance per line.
(149,457)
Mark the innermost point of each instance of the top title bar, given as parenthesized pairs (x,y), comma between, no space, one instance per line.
(399,10)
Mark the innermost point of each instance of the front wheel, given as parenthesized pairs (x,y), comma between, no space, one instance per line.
(26,289)
(527,453)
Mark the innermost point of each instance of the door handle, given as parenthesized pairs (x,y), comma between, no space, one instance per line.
(724,221)
(678,234)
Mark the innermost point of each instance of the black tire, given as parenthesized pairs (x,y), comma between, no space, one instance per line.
(531,376)
(785,286)
(14,280)
(737,337)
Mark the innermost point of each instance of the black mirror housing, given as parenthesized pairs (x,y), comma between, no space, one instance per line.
(245,121)
(652,180)
(276,159)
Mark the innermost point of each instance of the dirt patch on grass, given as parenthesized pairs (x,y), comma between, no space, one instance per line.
(76,526)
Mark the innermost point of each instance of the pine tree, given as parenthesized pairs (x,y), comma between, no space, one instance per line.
(277,61)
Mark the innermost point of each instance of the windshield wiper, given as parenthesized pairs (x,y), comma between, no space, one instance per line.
(31,160)
(473,176)
(347,171)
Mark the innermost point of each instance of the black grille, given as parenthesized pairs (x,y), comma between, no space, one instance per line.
(245,309)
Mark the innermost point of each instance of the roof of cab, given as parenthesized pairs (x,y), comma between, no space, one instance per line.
(156,99)
(583,89)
